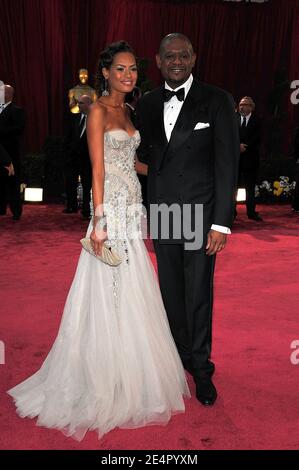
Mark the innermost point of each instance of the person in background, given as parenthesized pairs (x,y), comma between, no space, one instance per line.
(12,123)
(77,160)
(250,139)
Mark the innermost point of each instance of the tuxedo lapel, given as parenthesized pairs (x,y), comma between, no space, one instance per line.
(159,136)
(186,120)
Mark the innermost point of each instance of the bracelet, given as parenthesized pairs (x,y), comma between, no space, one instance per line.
(100,222)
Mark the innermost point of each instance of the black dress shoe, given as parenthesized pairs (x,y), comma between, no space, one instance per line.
(69,210)
(206,392)
(16,217)
(255,217)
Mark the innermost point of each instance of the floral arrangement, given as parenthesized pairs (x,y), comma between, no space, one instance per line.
(281,188)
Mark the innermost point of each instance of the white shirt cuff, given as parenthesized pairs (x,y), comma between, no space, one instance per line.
(220,228)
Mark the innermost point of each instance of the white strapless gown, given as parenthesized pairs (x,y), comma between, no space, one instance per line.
(114,362)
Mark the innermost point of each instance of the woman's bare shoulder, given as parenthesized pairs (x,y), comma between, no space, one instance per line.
(98,109)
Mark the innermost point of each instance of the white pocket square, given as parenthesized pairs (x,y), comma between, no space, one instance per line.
(201,125)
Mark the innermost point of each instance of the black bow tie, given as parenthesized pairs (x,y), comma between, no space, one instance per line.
(180,94)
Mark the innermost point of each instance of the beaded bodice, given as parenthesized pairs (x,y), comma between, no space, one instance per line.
(122,191)
(121,180)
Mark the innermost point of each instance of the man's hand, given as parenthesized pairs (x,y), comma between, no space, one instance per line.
(243,148)
(216,242)
(10,169)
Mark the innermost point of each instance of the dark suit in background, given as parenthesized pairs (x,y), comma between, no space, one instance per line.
(77,163)
(12,123)
(5,159)
(249,160)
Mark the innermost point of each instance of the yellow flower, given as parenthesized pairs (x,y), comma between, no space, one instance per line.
(278,188)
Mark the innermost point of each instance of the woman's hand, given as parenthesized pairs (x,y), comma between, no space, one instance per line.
(141,168)
(97,239)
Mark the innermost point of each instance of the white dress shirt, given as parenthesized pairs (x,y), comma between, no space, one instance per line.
(172,110)
(83,116)
(247,119)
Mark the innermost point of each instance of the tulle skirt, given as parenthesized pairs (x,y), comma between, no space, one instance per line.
(114,362)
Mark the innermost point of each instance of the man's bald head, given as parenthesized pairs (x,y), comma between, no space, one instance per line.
(84,102)
(85,99)
(8,93)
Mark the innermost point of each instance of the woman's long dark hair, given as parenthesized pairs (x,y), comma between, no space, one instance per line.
(105,61)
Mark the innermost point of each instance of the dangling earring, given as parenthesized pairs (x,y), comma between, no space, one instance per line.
(105,92)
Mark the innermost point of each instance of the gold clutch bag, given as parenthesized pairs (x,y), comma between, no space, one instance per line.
(108,255)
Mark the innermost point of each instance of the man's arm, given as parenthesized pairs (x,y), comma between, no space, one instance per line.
(5,159)
(226,149)
(226,154)
(15,124)
(254,137)
(143,149)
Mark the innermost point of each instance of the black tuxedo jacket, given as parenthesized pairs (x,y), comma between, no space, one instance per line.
(196,166)
(251,136)
(12,123)
(5,159)
(76,148)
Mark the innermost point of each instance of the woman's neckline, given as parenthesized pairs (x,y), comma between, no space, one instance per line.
(123,130)
(118,106)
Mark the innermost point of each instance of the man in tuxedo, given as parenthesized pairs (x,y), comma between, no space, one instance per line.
(77,160)
(189,138)
(12,123)
(250,138)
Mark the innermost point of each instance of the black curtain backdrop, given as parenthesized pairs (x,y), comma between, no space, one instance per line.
(43,43)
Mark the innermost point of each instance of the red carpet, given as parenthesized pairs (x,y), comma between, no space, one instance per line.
(255,321)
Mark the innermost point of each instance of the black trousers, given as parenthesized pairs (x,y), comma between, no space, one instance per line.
(10,192)
(248,179)
(186,282)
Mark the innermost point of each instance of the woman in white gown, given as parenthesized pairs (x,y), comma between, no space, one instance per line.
(114,362)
